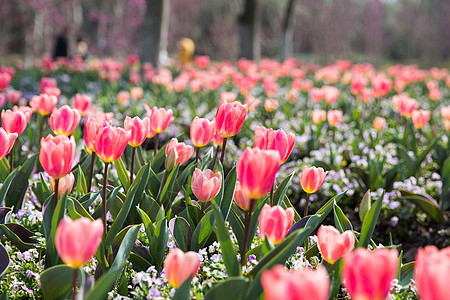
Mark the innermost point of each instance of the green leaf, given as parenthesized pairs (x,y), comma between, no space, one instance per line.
(76,210)
(81,183)
(203,231)
(6,184)
(231,288)
(179,183)
(163,197)
(158,243)
(406,273)
(335,271)
(370,220)
(56,282)
(227,198)
(286,204)
(4,168)
(425,203)
(4,261)
(122,174)
(445,175)
(281,190)
(19,236)
(365,205)
(340,220)
(182,233)
(148,224)
(183,292)
(154,184)
(58,214)
(236,222)
(229,253)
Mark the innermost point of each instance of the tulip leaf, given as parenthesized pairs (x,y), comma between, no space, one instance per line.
(179,183)
(365,205)
(158,243)
(148,224)
(281,190)
(88,199)
(425,203)
(19,236)
(6,184)
(165,192)
(227,199)
(81,183)
(236,222)
(19,184)
(445,175)
(406,273)
(153,184)
(255,221)
(58,214)
(231,288)
(422,155)
(106,283)
(158,160)
(203,231)
(4,261)
(122,174)
(370,220)
(182,233)
(335,271)
(286,204)
(312,251)
(56,282)
(5,214)
(340,220)
(229,254)
(218,199)
(183,292)
(4,168)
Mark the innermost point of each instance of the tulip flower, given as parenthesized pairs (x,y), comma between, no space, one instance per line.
(65,184)
(271,104)
(205,184)
(123,97)
(366,95)
(44,104)
(82,103)
(302,284)
(139,130)
(57,154)
(445,112)
(183,152)
(330,94)
(6,142)
(14,121)
(179,266)
(202,131)
(136,92)
(368,275)
(52,91)
(431,273)
(420,118)
(110,142)
(334,117)
(274,222)
(318,116)
(13,96)
(334,245)
(5,79)
(269,139)
(379,123)
(47,82)
(64,120)
(241,200)
(251,102)
(228,96)
(316,94)
(311,180)
(217,139)
(405,105)
(160,119)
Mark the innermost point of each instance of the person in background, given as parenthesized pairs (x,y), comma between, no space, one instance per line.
(61,44)
(82,47)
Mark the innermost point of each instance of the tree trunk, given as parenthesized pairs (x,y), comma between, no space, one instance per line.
(287,46)
(249,30)
(156,19)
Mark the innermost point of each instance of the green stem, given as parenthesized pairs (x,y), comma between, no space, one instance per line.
(216,153)
(197,154)
(222,156)
(41,129)
(271,195)
(133,154)
(155,151)
(74,284)
(248,223)
(202,210)
(11,159)
(55,200)
(91,172)
(105,180)
(306,205)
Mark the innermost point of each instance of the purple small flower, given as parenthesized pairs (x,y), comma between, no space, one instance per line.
(394,221)
(216,257)
(153,292)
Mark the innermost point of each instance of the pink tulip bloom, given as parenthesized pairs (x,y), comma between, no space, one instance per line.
(138,128)
(202,131)
(77,241)
(82,103)
(431,273)
(445,112)
(5,79)
(64,120)
(183,152)
(136,92)
(228,96)
(334,117)
(92,128)
(47,82)
(330,94)
(13,96)
(318,116)
(6,142)
(251,102)
(229,118)
(179,266)
(44,104)
(366,95)
(241,200)
(316,94)
(218,139)
(334,245)
(368,275)
(28,111)
(65,184)
(256,171)
(123,97)
(379,123)
(312,179)
(420,118)
(160,118)
(269,139)
(381,85)
(205,184)
(271,104)
(52,91)
(57,154)
(274,222)
(14,121)
(404,104)
(302,284)
(110,143)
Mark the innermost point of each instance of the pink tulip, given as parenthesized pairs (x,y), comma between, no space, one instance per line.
(183,152)
(138,128)
(47,82)
(64,120)
(160,118)
(256,171)
(274,222)
(334,245)
(52,91)
(431,273)
(202,131)
(334,117)
(6,142)
(302,284)
(368,275)
(110,143)
(366,95)
(179,266)
(28,111)
(330,94)
(445,112)
(312,179)
(271,104)
(251,102)
(206,184)
(82,103)
(269,139)
(44,104)
(405,105)
(5,79)
(136,92)
(57,154)
(316,94)
(77,241)
(65,184)
(14,121)
(123,97)
(92,128)
(228,96)
(318,116)
(379,123)
(13,96)
(229,118)
(241,200)
(218,139)
(420,118)
(2,99)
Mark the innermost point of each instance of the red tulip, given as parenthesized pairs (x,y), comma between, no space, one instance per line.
(302,284)
(64,120)
(160,118)
(205,184)
(182,151)
(65,184)
(138,128)
(57,154)
(44,104)
(420,118)
(229,118)
(178,266)
(241,200)
(256,171)
(202,131)
(6,142)
(368,275)
(110,143)
(334,117)
(77,241)
(14,121)
(312,179)
(334,245)
(82,103)
(269,139)
(431,273)
(274,222)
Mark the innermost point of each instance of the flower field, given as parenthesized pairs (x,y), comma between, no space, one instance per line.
(219,180)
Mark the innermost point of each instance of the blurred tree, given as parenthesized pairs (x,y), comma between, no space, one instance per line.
(250,30)
(287,47)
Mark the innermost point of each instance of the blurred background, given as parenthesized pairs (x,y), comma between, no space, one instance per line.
(376,31)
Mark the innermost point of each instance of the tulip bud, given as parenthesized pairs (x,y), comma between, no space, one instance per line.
(6,142)
(179,266)
(312,179)
(269,139)
(332,244)
(57,155)
(110,143)
(138,128)
(82,103)
(318,116)
(420,118)
(241,200)
(274,222)
(65,184)
(379,123)
(171,159)
(206,184)
(334,117)
(229,118)
(202,131)
(14,121)
(64,120)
